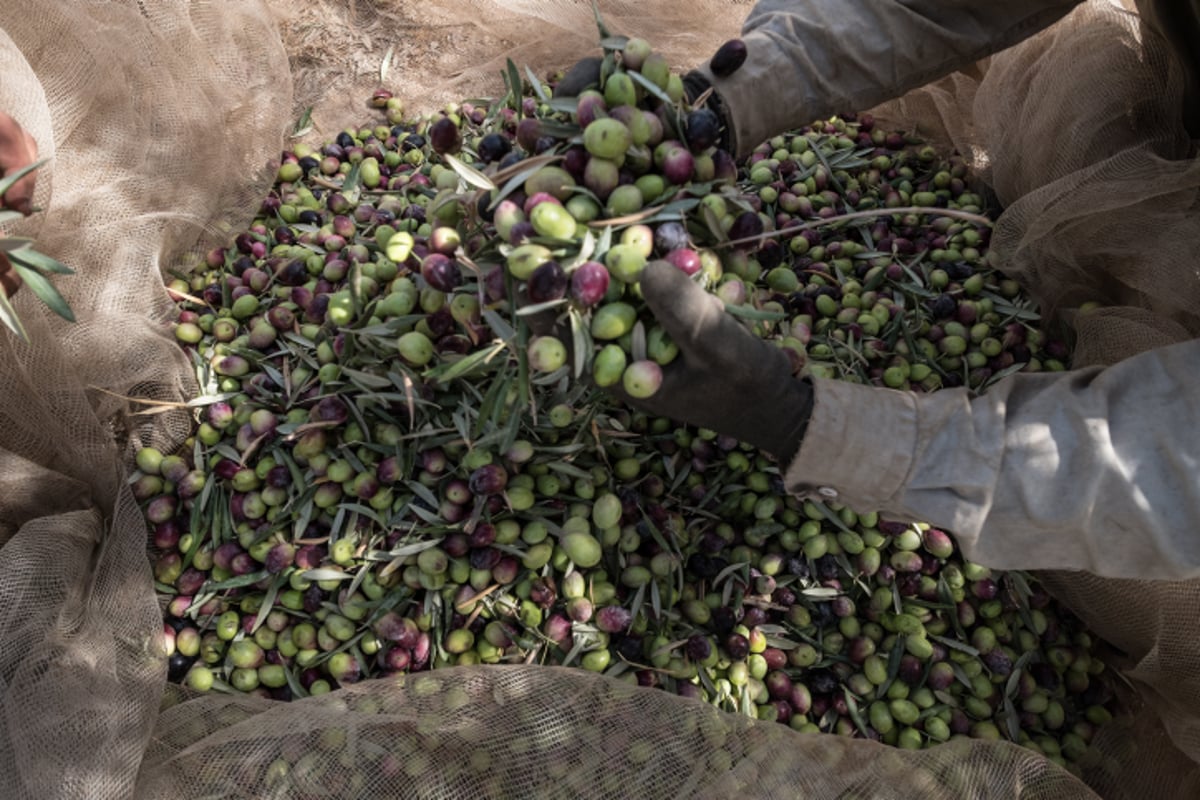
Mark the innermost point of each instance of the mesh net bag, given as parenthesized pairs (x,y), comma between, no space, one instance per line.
(163,121)
(137,104)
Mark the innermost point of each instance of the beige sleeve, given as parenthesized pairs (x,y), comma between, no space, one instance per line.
(1095,470)
(809,59)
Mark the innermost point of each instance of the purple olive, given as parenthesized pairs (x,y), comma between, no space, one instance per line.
(279,557)
(684,259)
(529,130)
(488,479)
(441,272)
(574,161)
(493,147)
(670,236)
(678,165)
(728,58)
(589,283)
(613,619)
(548,282)
(698,647)
(746,225)
(703,130)
(329,409)
(444,136)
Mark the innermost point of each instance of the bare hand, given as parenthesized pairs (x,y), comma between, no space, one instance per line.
(17,151)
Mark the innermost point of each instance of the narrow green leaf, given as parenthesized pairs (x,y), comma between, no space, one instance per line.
(581,341)
(569,470)
(713,223)
(324,574)
(304,124)
(536,308)
(514,83)
(294,684)
(235,583)
(424,493)
(755,314)
(45,291)
(8,315)
(563,105)
(614,42)
(650,86)
(366,511)
(469,173)
(465,365)
(955,644)
(605,242)
(10,180)
(560,130)
(366,378)
(538,89)
(412,549)
(10,243)
(268,602)
(305,514)
(386,64)
(586,249)
(502,329)
(351,182)
(516,181)
(600,26)
(855,714)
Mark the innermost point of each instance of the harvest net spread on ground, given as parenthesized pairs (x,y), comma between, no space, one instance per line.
(375,494)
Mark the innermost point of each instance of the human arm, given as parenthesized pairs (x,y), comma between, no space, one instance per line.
(1095,470)
(809,59)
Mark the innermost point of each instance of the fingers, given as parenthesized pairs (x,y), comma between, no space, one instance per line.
(17,150)
(584,75)
(9,280)
(685,310)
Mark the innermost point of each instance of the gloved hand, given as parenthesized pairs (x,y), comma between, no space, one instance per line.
(585,74)
(17,151)
(725,378)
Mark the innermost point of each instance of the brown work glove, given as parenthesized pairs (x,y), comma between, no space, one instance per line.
(725,378)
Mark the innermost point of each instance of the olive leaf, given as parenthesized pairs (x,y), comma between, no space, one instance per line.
(538,89)
(8,181)
(650,86)
(513,78)
(8,315)
(537,308)
(386,64)
(469,174)
(563,105)
(10,243)
(755,314)
(600,26)
(614,42)
(304,125)
(581,340)
(522,171)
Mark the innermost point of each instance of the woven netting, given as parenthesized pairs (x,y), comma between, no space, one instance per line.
(163,120)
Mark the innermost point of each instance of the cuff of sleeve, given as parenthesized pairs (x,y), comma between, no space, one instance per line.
(751,117)
(858,447)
